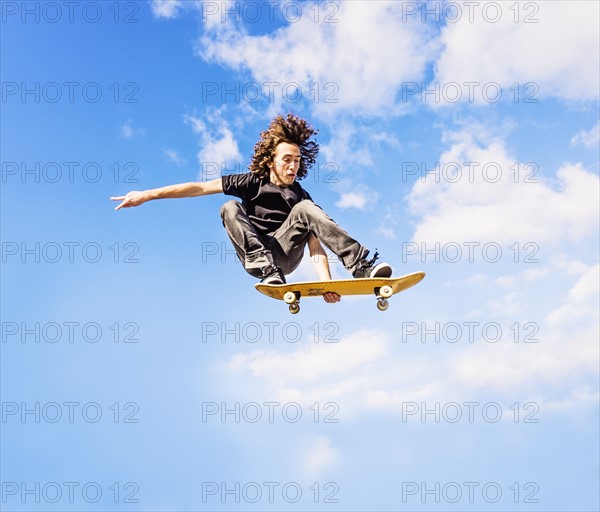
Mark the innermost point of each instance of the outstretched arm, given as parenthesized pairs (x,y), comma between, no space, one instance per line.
(319,259)
(191,189)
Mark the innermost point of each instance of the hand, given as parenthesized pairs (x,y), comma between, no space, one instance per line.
(133,198)
(331,297)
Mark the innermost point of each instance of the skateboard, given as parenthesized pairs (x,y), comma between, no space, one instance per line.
(383,288)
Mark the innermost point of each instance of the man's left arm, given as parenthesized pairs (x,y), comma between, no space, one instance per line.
(319,258)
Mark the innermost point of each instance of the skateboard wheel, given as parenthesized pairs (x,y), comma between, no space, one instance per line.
(294,309)
(386,291)
(289,297)
(382,304)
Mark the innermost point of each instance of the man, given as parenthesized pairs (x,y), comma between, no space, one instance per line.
(276,217)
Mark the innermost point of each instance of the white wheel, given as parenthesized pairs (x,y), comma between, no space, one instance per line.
(289,297)
(386,291)
(382,304)
(294,309)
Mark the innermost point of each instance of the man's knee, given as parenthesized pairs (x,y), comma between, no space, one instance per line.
(307,207)
(231,209)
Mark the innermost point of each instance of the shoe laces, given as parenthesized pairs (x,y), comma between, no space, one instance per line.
(375,257)
(369,263)
(269,270)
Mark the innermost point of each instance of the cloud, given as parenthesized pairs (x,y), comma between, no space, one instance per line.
(318,456)
(485,196)
(366,372)
(389,222)
(588,139)
(313,362)
(167,8)
(553,44)
(358,57)
(127,131)
(344,64)
(218,146)
(352,200)
(174,156)
(582,301)
(347,147)
(359,196)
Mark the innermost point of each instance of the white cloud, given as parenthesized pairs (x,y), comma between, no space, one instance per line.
(359,196)
(486,201)
(350,64)
(127,131)
(588,139)
(358,59)
(366,372)
(319,456)
(316,361)
(582,301)
(174,156)
(218,146)
(507,367)
(553,44)
(548,356)
(352,200)
(390,220)
(347,147)
(167,8)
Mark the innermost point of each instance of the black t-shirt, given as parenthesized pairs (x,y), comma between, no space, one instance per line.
(267,205)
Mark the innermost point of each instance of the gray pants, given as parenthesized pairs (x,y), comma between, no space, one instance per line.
(285,247)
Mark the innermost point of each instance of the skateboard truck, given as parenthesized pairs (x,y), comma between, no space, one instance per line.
(383,293)
(293,300)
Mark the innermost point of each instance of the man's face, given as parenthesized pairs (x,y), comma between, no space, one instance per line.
(285,164)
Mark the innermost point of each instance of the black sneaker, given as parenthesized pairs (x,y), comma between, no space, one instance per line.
(367,268)
(272,275)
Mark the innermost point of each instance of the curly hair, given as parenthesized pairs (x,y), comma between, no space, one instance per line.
(292,130)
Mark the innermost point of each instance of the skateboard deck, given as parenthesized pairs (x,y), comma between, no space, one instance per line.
(382,288)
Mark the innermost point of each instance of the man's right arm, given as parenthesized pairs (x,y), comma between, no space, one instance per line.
(191,189)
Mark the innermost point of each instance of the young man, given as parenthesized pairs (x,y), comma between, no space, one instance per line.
(276,217)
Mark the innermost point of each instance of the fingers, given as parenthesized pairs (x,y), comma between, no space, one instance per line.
(119,198)
(127,200)
(124,204)
(331,297)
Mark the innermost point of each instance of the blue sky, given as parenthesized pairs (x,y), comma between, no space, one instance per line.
(142,371)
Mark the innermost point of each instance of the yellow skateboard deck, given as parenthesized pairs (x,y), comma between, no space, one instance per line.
(383,288)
